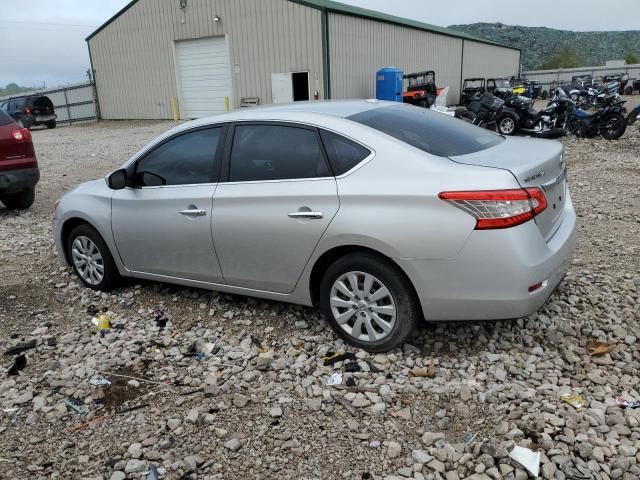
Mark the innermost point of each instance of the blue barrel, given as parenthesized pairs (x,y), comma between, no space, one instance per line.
(389,84)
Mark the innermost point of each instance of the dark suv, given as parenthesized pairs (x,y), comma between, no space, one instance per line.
(31,110)
(19,171)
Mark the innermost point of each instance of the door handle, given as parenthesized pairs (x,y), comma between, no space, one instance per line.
(193,212)
(304,214)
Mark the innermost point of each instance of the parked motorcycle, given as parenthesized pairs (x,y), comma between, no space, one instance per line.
(486,111)
(633,116)
(609,121)
(589,97)
(548,122)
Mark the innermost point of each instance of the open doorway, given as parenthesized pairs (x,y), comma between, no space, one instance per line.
(300,81)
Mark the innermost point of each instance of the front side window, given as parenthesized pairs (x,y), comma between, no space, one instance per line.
(344,154)
(184,160)
(275,152)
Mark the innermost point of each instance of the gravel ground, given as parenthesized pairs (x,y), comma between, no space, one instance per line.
(257,404)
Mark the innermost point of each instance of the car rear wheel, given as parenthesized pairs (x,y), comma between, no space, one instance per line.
(369,302)
(91,259)
(20,201)
(51,124)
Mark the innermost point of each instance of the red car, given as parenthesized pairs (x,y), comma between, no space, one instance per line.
(19,172)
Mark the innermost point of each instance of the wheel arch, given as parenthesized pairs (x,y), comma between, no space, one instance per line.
(72,222)
(328,257)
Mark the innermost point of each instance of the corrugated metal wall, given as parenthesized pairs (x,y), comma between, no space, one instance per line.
(489,61)
(133,57)
(358,47)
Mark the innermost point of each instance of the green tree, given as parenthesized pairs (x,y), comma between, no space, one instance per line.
(565,57)
(631,58)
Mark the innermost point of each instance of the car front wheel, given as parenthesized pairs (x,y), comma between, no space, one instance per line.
(91,259)
(369,302)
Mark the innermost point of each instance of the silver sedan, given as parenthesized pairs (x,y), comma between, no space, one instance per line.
(382,214)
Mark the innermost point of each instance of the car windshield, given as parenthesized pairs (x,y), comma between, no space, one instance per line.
(429,131)
(5,119)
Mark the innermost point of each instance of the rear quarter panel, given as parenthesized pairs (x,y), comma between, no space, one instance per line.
(391,204)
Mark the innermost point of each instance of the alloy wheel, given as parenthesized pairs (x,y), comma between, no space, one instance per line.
(507,125)
(363,306)
(87,260)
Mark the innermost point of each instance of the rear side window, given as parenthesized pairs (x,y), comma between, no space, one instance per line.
(431,132)
(183,160)
(275,152)
(344,154)
(4,118)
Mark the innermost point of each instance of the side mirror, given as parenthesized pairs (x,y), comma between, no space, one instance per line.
(117,180)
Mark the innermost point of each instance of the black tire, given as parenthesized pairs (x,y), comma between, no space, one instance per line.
(407,306)
(628,90)
(51,124)
(21,200)
(423,103)
(110,276)
(614,126)
(507,125)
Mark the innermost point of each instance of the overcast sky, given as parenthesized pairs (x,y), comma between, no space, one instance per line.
(43,40)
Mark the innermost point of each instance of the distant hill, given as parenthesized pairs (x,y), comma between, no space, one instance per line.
(546,47)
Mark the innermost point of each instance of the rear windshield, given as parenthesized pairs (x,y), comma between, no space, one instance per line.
(39,102)
(431,132)
(4,118)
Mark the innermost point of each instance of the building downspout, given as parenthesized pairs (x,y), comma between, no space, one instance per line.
(326,67)
(461,72)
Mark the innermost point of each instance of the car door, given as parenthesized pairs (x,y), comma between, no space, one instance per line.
(162,222)
(278,200)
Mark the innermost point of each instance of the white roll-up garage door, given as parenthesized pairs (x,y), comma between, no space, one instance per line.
(204,77)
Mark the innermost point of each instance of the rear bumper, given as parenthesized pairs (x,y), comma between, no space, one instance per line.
(14,181)
(491,276)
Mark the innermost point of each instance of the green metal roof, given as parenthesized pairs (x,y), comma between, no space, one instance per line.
(331,6)
(339,7)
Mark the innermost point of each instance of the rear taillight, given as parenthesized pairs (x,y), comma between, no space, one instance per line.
(499,208)
(21,135)
(27,111)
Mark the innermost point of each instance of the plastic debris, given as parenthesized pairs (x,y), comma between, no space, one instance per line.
(152,473)
(576,400)
(21,347)
(529,459)
(160,319)
(628,403)
(99,382)
(199,356)
(598,348)
(428,372)
(469,437)
(75,405)
(331,358)
(352,367)
(335,379)
(12,414)
(19,363)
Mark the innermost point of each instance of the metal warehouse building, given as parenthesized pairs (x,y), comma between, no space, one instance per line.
(205,51)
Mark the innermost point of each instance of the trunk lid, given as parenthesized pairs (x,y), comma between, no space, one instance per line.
(534,163)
